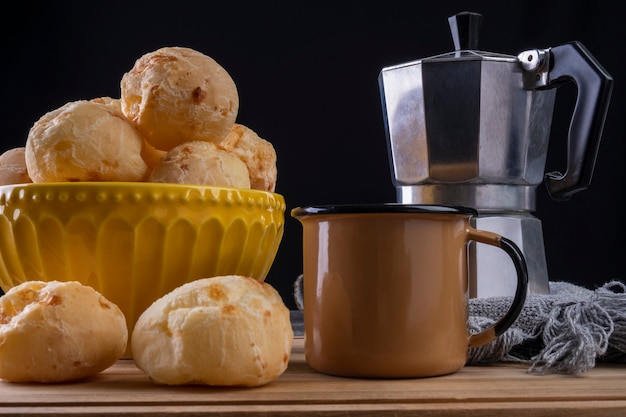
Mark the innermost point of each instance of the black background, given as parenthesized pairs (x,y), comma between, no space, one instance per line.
(307,79)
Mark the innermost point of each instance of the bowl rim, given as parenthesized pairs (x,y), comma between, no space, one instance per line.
(137,185)
(133,192)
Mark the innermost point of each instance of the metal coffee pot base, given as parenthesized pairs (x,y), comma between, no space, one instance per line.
(491,273)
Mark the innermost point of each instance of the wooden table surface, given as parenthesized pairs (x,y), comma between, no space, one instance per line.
(502,389)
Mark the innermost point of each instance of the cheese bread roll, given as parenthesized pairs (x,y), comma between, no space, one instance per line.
(201,163)
(13,167)
(85,141)
(58,331)
(222,331)
(177,95)
(257,153)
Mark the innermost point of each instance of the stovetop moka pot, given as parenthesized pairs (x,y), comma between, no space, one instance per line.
(471,128)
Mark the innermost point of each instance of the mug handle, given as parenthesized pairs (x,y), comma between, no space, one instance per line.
(500,326)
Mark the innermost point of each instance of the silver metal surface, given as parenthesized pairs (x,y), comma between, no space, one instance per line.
(486,198)
(465,122)
(462,130)
(491,272)
(471,128)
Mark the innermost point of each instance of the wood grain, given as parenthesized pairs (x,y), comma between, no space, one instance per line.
(502,389)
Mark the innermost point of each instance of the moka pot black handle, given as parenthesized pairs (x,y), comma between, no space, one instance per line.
(573,62)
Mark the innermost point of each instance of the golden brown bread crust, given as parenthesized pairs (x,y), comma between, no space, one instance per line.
(58,331)
(84,141)
(176,95)
(13,167)
(257,153)
(115,103)
(203,163)
(222,331)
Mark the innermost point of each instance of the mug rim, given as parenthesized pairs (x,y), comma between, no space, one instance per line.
(379,208)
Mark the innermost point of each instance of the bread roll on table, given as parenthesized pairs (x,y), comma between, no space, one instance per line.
(58,331)
(222,331)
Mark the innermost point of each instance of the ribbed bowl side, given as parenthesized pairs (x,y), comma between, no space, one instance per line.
(135,244)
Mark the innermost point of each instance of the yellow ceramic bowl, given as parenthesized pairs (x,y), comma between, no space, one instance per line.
(134,242)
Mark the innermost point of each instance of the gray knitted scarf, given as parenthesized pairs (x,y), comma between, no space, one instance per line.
(565,331)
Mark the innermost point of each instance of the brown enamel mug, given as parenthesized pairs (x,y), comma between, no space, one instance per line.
(386,288)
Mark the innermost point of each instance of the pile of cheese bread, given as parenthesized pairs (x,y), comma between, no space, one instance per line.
(175,121)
